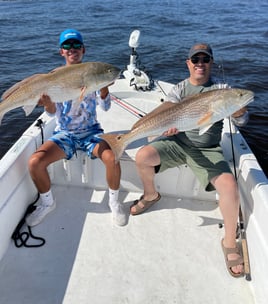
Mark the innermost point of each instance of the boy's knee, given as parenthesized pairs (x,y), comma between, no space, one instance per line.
(33,162)
(108,157)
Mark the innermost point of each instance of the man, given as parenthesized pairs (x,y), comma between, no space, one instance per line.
(203,155)
(76,129)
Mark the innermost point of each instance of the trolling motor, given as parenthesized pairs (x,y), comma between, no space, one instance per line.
(137,78)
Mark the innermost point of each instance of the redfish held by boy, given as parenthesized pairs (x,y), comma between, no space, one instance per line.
(64,83)
(198,111)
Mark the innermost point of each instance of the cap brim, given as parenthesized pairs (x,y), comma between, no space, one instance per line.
(200,51)
(62,42)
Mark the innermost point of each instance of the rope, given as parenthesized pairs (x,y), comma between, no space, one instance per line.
(21,238)
(39,124)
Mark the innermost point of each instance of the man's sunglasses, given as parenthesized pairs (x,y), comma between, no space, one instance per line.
(196,59)
(72,45)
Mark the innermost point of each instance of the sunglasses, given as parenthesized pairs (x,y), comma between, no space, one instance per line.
(72,45)
(196,59)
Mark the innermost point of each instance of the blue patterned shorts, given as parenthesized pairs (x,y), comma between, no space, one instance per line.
(71,142)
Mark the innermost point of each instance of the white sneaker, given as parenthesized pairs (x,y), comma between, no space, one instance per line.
(39,214)
(118,213)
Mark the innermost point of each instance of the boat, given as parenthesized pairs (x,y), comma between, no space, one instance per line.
(169,254)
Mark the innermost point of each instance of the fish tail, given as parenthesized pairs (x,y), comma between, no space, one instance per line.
(116,143)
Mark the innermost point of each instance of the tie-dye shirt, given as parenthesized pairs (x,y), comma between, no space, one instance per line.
(77,117)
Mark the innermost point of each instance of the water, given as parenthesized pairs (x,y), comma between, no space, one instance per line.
(237,31)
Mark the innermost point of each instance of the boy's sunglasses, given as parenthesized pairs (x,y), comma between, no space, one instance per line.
(72,45)
(196,59)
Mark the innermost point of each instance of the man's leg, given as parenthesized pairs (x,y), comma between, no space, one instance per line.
(146,160)
(226,186)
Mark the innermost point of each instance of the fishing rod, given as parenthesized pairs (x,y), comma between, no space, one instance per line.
(128,106)
(241,232)
(163,91)
(241,227)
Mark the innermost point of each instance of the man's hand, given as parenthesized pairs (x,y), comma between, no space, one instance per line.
(171,132)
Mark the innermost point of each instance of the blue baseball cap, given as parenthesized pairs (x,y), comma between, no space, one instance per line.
(70,34)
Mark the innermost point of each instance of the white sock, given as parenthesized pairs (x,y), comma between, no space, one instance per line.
(113,197)
(47,198)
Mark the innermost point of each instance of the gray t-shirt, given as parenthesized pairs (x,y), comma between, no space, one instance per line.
(212,136)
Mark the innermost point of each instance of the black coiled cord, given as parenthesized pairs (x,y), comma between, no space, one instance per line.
(21,238)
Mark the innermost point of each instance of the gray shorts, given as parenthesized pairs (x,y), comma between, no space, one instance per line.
(206,163)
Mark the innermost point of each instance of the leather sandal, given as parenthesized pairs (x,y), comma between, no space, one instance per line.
(232,263)
(146,205)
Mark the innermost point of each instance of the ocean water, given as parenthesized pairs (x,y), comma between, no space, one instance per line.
(237,31)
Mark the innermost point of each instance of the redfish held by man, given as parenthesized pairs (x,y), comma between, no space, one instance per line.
(65,83)
(198,111)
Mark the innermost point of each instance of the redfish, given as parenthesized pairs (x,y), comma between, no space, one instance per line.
(64,83)
(198,111)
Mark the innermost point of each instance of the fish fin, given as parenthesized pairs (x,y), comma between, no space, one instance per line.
(116,143)
(56,69)
(165,105)
(81,97)
(204,123)
(204,120)
(28,109)
(204,129)
(151,138)
(162,107)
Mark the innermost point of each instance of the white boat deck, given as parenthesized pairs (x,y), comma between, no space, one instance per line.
(170,254)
